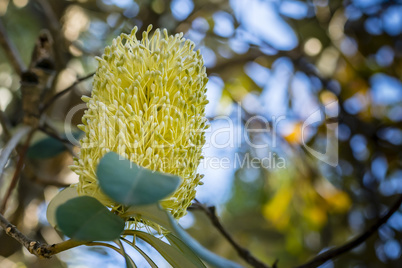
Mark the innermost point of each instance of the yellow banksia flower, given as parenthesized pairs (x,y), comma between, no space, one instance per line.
(147,105)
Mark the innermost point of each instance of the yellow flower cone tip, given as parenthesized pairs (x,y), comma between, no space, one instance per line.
(147,105)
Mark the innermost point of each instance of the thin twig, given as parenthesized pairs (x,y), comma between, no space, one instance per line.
(243,253)
(10,51)
(35,247)
(18,169)
(335,252)
(64,91)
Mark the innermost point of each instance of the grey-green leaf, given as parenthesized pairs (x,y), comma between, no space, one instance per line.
(173,256)
(46,148)
(162,217)
(152,213)
(84,218)
(129,184)
(49,147)
(62,197)
(180,245)
(146,257)
(209,257)
(129,262)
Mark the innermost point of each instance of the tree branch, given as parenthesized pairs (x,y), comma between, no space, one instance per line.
(43,250)
(335,252)
(64,91)
(10,51)
(37,248)
(35,82)
(243,253)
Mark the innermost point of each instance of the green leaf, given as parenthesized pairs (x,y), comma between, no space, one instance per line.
(162,217)
(152,213)
(62,197)
(180,245)
(208,256)
(146,257)
(173,256)
(129,184)
(85,219)
(129,262)
(48,147)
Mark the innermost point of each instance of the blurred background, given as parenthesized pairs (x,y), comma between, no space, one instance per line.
(271,64)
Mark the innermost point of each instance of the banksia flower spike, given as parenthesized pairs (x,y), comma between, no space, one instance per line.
(147,105)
